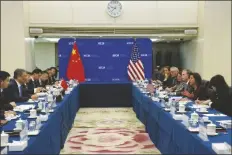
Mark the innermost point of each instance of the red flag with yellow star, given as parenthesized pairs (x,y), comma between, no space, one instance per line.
(75,68)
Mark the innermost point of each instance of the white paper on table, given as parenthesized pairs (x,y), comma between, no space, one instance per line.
(41,94)
(221,148)
(214,115)
(177,116)
(23,107)
(225,121)
(200,106)
(183,102)
(193,129)
(176,98)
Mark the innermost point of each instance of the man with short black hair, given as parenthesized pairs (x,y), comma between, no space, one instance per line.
(33,83)
(50,74)
(15,91)
(5,105)
(43,80)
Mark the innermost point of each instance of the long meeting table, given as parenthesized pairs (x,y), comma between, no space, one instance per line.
(54,131)
(169,135)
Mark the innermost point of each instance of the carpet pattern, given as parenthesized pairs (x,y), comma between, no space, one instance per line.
(108,131)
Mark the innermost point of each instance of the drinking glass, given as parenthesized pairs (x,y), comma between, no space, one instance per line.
(32,126)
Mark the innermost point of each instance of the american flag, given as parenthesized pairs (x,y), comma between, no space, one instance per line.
(135,68)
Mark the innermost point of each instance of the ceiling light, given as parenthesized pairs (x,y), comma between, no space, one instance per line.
(52,39)
(154,39)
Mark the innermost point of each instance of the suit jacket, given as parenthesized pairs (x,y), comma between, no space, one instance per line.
(157,76)
(43,83)
(168,82)
(12,93)
(31,85)
(50,81)
(182,87)
(28,92)
(53,79)
(4,103)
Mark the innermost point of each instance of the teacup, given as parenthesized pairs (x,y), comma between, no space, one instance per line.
(67,92)
(19,124)
(211,128)
(181,108)
(40,105)
(33,113)
(43,117)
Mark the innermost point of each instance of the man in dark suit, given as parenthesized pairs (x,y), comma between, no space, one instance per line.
(50,75)
(15,91)
(5,104)
(33,82)
(43,80)
(54,74)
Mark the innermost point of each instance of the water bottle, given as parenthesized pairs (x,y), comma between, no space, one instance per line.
(47,108)
(173,106)
(54,102)
(38,123)
(32,126)
(162,103)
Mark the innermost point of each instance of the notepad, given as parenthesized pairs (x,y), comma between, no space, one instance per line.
(221,148)
(214,115)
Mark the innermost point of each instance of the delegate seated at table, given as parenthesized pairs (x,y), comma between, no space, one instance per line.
(5,104)
(183,85)
(33,81)
(15,91)
(199,92)
(220,97)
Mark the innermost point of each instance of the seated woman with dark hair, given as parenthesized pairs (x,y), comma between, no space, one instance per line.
(199,92)
(167,80)
(219,94)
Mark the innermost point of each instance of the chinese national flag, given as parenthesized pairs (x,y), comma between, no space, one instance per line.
(75,68)
(64,84)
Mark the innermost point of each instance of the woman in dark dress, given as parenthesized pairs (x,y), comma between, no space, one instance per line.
(200,92)
(220,95)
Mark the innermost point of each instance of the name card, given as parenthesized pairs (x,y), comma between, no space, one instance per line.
(24,133)
(221,148)
(202,130)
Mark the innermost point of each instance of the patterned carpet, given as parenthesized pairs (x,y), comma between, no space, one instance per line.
(108,131)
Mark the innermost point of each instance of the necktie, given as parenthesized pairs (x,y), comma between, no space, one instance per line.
(20,91)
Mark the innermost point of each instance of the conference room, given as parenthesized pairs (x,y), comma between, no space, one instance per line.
(115,77)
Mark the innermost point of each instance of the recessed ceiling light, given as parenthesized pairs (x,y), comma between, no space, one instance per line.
(154,39)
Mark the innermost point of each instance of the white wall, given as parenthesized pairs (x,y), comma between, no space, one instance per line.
(210,53)
(44,55)
(93,13)
(12,36)
(15,51)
